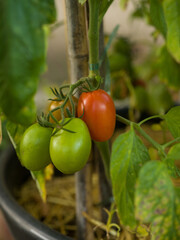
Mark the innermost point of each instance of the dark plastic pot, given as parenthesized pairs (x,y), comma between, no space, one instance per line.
(22,225)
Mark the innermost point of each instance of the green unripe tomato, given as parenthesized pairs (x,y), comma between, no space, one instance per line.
(34,147)
(70,151)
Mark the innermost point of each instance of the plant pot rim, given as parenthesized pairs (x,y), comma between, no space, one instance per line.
(13,210)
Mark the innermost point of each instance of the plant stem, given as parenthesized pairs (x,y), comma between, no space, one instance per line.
(93,35)
(104,150)
(171,142)
(149,139)
(95,39)
(100,225)
(71,87)
(149,118)
(144,134)
(123,120)
(0,131)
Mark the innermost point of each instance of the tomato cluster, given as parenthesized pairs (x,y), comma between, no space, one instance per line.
(69,147)
(68,150)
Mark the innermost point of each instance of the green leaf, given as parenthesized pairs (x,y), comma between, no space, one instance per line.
(160,99)
(158,201)
(157,16)
(108,45)
(39,178)
(104,57)
(174,152)
(128,156)
(172,169)
(172,156)
(141,98)
(15,132)
(172,119)
(172,17)
(82,1)
(22,54)
(170,74)
(123,3)
(141,10)
(104,5)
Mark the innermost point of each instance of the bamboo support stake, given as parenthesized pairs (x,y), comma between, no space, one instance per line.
(77,40)
(78,62)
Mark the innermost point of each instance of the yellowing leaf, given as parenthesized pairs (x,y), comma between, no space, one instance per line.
(158,201)
(39,177)
(128,156)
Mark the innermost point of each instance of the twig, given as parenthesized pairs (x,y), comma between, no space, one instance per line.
(100,225)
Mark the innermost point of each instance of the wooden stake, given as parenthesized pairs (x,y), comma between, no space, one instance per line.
(77,39)
(78,61)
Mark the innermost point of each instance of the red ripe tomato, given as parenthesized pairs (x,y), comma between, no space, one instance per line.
(99,114)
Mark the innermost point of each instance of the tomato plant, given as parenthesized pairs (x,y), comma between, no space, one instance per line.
(55,104)
(70,151)
(34,147)
(98,112)
(139,183)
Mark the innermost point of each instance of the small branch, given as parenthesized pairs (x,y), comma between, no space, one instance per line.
(149,118)
(149,139)
(71,87)
(123,120)
(171,142)
(136,126)
(100,225)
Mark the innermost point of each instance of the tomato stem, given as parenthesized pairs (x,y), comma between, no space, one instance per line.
(171,142)
(93,36)
(149,118)
(155,144)
(104,150)
(136,126)
(72,87)
(123,120)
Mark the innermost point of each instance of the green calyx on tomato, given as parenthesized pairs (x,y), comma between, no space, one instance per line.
(70,151)
(98,112)
(34,147)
